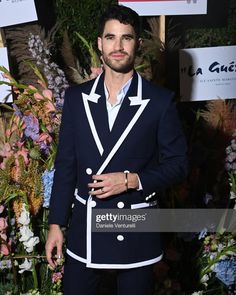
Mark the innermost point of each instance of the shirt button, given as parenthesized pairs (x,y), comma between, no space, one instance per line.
(89,171)
(93,204)
(120,205)
(120,238)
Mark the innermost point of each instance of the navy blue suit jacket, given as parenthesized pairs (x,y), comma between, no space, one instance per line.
(146,138)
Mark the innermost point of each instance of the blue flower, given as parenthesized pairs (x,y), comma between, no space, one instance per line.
(226,271)
(202,233)
(47,179)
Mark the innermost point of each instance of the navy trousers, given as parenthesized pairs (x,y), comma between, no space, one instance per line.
(80,280)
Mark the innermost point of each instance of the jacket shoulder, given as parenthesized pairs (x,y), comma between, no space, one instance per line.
(156,91)
(76,90)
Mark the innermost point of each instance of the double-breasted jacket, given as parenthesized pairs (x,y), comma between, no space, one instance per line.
(146,138)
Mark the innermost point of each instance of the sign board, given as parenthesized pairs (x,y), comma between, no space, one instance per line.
(208,73)
(14,12)
(166,7)
(4,89)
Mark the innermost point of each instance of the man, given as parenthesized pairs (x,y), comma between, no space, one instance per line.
(120,144)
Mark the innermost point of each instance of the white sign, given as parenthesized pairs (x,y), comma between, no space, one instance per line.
(4,89)
(208,73)
(166,7)
(14,12)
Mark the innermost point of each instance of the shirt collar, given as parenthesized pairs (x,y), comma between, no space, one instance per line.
(122,93)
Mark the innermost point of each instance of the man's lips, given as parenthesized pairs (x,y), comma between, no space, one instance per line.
(118,55)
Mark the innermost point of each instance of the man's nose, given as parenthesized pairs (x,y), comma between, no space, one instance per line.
(119,44)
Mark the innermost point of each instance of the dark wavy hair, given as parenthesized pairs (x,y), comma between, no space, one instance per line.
(124,15)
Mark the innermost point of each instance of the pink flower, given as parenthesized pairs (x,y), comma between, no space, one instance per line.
(4,249)
(49,107)
(3,224)
(6,150)
(56,276)
(45,137)
(24,153)
(38,96)
(32,87)
(47,93)
(3,236)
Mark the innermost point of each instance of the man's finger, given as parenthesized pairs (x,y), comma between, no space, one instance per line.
(59,251)
(49,256)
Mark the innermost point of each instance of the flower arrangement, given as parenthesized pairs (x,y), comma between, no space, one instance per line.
(217,262)
(26,173)
(27,155)
(217,257)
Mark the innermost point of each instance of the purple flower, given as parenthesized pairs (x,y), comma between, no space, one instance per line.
(17,110)
(4,264)
(32,127)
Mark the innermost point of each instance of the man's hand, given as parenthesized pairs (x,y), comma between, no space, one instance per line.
(106,185)
(54,240)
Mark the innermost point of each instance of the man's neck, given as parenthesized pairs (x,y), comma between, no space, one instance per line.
(114,82)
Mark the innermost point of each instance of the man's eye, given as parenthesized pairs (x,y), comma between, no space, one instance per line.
(109,37)
(127,38)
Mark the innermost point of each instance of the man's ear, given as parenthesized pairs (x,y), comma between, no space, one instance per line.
(139,43)
(99,42)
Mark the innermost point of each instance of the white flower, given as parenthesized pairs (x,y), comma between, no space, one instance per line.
(29,245)
(212,256)
(26,234)
(25,266)
(204,280)
(220,247)
(24,218)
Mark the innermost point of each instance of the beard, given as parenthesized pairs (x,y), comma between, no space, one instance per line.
(120,66)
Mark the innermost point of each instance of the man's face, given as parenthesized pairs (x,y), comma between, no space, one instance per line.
(118,44)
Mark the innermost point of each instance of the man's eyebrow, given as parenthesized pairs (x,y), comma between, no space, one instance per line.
(124,35)
(109,35)
(128,35)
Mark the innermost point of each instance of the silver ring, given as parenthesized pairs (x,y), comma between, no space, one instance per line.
(102,190)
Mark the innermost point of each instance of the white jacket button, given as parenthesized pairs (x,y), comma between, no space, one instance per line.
(93,204)
(89,171)
(120,205)
(120,238)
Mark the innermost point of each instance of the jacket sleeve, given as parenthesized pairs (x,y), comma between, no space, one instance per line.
(171,166)
(65,169)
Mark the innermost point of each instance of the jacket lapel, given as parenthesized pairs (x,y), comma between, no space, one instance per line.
(95,107)
(96,111)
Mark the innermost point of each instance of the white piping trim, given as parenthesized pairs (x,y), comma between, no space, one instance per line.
(138,101)
(88,229)
(143,205)
(114,266)
(73,255)
(95,85)
(81,200)
(143,104)
(91,123)
(78,198)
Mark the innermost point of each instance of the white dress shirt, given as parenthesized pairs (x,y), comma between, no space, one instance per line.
(112,110)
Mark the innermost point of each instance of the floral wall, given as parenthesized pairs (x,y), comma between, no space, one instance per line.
(44,62)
